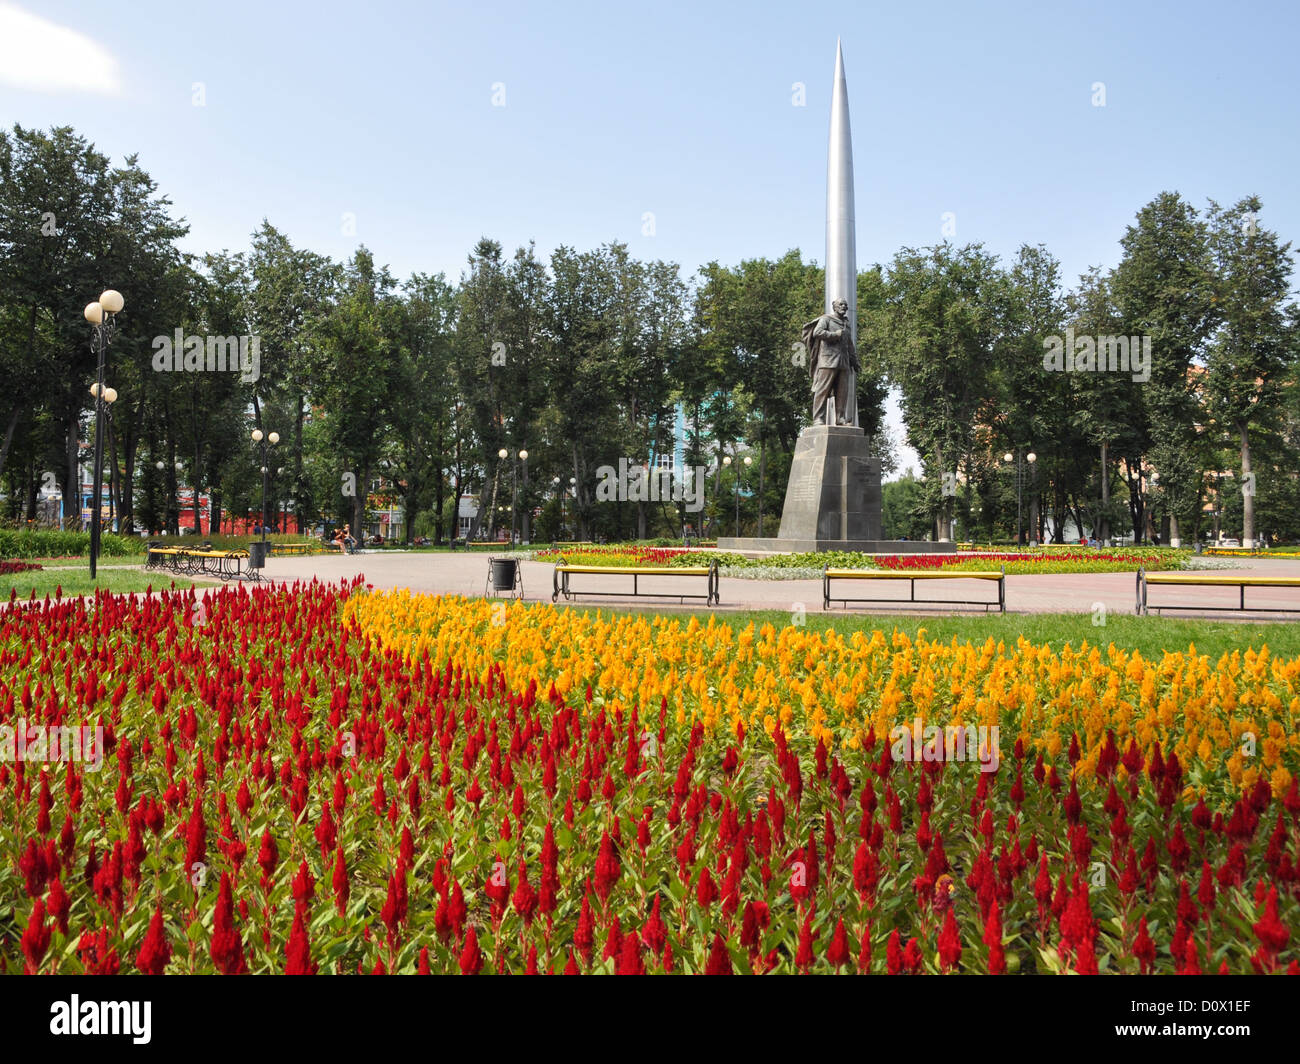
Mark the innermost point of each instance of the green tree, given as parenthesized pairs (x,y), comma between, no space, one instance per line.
(1256,342)
(1163,287)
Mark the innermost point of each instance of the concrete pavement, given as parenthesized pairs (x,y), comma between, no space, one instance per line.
(464,573)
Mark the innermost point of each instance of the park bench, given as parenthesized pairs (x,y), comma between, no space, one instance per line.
(562,585)
(201,560)
(914,576)
(295,548)
(1191,579)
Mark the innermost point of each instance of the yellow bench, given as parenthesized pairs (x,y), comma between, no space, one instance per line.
(561,585)
(1145,579)
(913,575)
(295,548)
(223,564)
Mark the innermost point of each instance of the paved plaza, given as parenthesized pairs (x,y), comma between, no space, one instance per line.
(465,573)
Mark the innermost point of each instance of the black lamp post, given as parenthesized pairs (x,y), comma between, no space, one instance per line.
(748,461)
(1021,468)
(522,456)
(101,315)
(264,440)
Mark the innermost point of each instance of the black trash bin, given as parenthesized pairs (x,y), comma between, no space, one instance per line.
(503,574)
(257,551)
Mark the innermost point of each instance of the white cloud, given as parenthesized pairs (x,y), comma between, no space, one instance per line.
(42,56)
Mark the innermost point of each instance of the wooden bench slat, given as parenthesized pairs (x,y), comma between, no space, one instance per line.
(560,580)
(903,574)
(912,576)
(635,571)
(1222,580)
(1192,579)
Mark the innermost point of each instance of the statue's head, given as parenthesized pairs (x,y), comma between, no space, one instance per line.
(840,307)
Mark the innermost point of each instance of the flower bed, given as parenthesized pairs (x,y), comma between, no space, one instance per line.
(315,779)
(624,556)
(1018,563)
(10,568)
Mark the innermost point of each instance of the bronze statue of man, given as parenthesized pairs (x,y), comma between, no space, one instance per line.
(834,366)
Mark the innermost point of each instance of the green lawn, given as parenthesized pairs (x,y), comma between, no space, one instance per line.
(76,581)
(1150,635)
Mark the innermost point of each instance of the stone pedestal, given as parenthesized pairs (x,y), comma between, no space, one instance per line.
(834,487)
(832,500)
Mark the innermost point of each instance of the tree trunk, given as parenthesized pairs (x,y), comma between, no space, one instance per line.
(1104,523)
(9,436)
(72,493)
(195,481)
(440,502)
(33,489)
(1248,491)
(944,528)
(298,507)
(359,503)
(522,503)
(130,448)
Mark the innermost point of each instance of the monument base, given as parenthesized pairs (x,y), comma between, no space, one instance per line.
(832,500)
(833,494)
(865,546)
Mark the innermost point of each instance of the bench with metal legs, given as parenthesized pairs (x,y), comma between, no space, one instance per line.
(913,576)
(562,581)
(1192,579)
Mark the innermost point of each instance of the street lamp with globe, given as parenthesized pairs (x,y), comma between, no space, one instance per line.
(101,314)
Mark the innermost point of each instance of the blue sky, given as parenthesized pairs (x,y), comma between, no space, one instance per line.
(385,112)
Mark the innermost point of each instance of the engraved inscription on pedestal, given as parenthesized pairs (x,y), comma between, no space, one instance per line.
(834,488)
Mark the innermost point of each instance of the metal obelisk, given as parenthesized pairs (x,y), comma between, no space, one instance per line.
(832,496)
(841,250)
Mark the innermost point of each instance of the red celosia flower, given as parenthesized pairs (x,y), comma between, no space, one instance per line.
(654,934)
(340,883)
(837,953)
(613,942)
(525,898)
(1271,932)
(268,857)
(471,957)
(583,935)
(719,962)
(1144,949)
(326,832)
(196,837)
(949,942)
(155,950)
(805,956)
(58,904)
(865,872)
(993,939)
(706,891)
(297,951)
(304,884)
(227,949)
(894,954)
(608,868)
(36,939)
(864,951)
(912,956)
(629,958)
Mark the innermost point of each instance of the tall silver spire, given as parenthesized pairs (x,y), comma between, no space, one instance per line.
(841,250)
